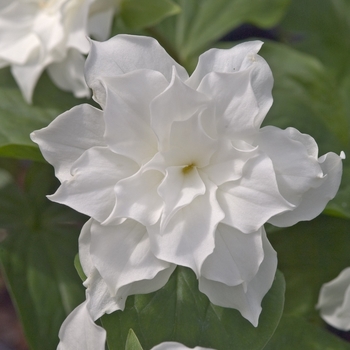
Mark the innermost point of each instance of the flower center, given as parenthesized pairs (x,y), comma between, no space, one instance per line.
(188,168)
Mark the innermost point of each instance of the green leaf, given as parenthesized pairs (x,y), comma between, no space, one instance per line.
(310,254)
(202,22)
(37,256)
(18,119)
(79,268)
(132,343)
(295,333)
(179,312)
(144,13)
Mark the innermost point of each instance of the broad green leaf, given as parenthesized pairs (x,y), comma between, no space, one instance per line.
(310,254)
(179,312)
(295,333)
(132,342)
(18,119)
(144,13)
(320,28)
(37,256)
(202,22)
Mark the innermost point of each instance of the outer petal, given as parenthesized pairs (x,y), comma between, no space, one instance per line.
(315,200)
(68,136)
(247,297)
(138,199)
(240,57)
(127,115)
(94,175)
(188,238)
(68,74)
(122,254)
(176,346)
(294,158)
(125,53)
(334,301)
(236,258)
(79,332)
(250,201)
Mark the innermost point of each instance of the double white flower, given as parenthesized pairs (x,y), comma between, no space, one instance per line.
(52,34)
(175,170)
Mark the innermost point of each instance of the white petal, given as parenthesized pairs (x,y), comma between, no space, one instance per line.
(227,163)
(79,332)
(122,254)
(235,102)
(176,346)
(138,199)
(178,190)
(26,77)
(68,74)
(296,170)
(68,136)
(101,19)
(247,297)
(177,103)
(125,53)
(334,301)
(94,175)
(127,115)
(315,200)
(188,238)
(250,201)
(238,58)
(236,257)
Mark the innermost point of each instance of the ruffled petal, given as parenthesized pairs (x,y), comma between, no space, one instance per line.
(138,199)
(123,54)
(315,199)
(188,238)
(68,74)
(236,258)
(178,189)
(247,297)
(241,57)
(94,175)
(79,332)
(250,201)
(177,103)
(69,136)
(235,102)
(334,301)
(127,115)
(122,254)
(296,170)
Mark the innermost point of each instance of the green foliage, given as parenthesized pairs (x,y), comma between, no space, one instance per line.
(138,14)
(295,333)
(39,241)
(179,312)
(132,342)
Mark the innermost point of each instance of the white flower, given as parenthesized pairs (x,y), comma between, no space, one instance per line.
(176,346)
(334,301)
(52,34)
(175,170)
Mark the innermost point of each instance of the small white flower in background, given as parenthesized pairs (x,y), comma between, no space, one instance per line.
(334,301)
(176,346)
(175,170)
(52,34)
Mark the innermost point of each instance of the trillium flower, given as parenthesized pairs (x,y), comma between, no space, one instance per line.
(176,170)
(51,34)
(334,301)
